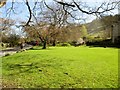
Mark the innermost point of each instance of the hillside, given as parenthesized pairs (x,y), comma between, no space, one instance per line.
(104,25)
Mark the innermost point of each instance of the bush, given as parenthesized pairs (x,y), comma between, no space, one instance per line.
(7,54)
(63,44)
(117,40)
(90,38)
(73,43)
(12,40)
(94,39)
(103,43)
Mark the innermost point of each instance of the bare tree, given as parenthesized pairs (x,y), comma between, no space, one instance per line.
(57,19)
(5,27)
(49,23)
(87,9)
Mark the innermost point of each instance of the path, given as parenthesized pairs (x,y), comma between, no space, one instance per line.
(13,50)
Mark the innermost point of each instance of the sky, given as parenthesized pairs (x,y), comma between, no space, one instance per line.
(65,0)
(23,14)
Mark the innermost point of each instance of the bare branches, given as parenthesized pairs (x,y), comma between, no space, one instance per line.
(104,7)
(65,4)
(56,15)
(97,11)
(11,9)
(5,24)
(30,13)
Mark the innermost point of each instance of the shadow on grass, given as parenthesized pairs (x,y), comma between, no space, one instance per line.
(33,67)
(104,43)
(104,46)
(35,48)
(22,68)
(40,48)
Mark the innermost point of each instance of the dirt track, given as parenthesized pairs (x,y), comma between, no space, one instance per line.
(12,50)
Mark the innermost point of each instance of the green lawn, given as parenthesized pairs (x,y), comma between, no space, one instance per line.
(62,67)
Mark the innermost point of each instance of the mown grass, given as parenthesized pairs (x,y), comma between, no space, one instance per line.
(62,67)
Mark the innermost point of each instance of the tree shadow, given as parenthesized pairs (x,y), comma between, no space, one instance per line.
(22,68)
(103,46)
(35,48)
(40,48)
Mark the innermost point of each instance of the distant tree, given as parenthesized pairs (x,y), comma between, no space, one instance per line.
(40,31)
(83,31)
(69,33)
(3,37)
(5,24)
(5,28)
(13,40)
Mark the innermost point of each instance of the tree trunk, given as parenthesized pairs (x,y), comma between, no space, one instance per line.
(44,44)
(54,43)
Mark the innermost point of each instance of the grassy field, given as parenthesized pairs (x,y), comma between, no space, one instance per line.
(62,67)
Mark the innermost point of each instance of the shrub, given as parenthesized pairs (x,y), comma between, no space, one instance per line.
(13,40)
(63,44)
(7,54)
(117,40)
(103,43)
(73,43)
(90,38)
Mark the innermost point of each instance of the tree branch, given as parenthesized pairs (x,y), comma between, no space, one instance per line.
(64,4)
(30,13)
